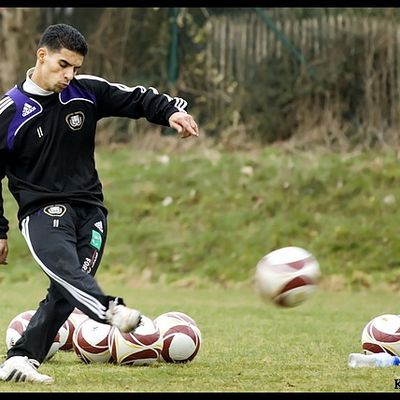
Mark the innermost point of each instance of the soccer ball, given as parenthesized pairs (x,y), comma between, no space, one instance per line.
(72,322)
(90,341)
(287,276)
(17,326)
(139,347)
(181,337)
(382,334)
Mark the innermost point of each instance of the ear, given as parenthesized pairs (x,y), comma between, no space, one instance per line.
(41,54)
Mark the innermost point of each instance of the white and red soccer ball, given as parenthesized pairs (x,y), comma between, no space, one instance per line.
(18,324)
(90,341)
(180,337)
(72,322)
(287,276)
(139,347)
(382,334)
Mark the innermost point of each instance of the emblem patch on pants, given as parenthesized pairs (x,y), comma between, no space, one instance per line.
(55,210)
(96,240)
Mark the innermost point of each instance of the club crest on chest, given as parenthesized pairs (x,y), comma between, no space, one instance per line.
(75,120)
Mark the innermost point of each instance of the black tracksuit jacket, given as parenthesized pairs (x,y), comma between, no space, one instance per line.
(47,143)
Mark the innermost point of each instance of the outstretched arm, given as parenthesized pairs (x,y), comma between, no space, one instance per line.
(184,124)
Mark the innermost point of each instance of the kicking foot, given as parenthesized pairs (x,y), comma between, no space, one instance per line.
(124,318)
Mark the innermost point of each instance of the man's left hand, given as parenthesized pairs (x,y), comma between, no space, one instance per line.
(184,124)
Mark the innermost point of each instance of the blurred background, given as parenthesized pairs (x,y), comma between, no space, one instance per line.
(309,75)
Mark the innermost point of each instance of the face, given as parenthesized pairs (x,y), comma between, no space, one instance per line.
(55,70)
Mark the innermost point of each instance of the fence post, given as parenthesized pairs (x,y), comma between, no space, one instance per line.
(173,69)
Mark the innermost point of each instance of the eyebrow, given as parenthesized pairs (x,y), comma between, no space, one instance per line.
(66,62)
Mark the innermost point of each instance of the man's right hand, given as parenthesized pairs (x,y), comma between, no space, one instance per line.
(3,251)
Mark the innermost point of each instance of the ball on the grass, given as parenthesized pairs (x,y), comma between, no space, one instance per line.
(139,347)
(382,334)
(90,342)
(17,326)
(180,337)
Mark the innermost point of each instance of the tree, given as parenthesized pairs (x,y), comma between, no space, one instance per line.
(18,27)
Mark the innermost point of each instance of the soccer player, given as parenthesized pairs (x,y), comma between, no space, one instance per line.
(47,144)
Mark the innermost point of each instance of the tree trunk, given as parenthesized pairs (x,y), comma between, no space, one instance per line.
(17,43)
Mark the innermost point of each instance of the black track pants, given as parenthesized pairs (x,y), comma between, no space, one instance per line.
(67,242)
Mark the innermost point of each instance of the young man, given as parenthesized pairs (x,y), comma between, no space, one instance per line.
(47,141)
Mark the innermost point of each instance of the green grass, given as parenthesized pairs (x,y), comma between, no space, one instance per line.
(222,220)
(198,255)
(248,345)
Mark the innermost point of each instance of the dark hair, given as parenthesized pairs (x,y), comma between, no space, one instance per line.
(59,36)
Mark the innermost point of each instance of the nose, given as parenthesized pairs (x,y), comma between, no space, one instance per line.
(69,73)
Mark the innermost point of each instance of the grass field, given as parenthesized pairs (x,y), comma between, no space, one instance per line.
(248,345)
(186,231)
